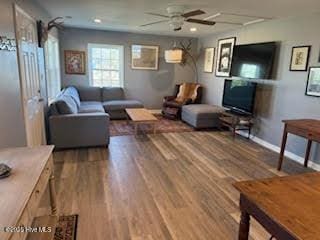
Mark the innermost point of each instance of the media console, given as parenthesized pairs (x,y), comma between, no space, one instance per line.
(236,121)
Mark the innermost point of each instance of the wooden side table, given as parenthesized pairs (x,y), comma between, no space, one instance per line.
(32,171)
(306,128)
(236,122)
(287,207)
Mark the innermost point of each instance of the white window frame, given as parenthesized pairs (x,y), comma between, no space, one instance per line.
(121,70)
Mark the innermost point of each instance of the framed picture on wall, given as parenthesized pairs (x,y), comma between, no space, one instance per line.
(208,60)
(313,83)
(300,58)
(144,57)
(75,62)
(224,56)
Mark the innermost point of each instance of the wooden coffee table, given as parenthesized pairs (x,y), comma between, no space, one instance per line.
(141,116)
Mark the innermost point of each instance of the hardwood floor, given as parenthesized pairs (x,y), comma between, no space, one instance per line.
(163,186)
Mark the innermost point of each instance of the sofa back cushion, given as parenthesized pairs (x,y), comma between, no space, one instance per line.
(72,92)
(112,93)
(65,104)
(90,94)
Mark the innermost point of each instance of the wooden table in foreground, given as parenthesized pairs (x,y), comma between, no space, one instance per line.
(141,116)
(287,207)
(307,128)
(21,192)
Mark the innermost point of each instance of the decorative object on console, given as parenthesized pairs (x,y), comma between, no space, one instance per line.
(225,52)
(144,57)
(75,62)
(300,58)
(313,83)
(8,44)
(208,60)
(5,170)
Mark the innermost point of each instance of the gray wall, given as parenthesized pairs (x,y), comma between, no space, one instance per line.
(146,86)
(11,120)
(284,97)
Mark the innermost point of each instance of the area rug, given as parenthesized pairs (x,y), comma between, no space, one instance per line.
(122,127)
(66,228)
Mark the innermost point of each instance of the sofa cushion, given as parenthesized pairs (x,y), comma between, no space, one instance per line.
(201,115)
(91,107)
(112,93)
(65,104)
(73,92)
(121,104)
(90,94)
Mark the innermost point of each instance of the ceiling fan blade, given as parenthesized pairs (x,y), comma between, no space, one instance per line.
(193,13)
(232,23)
(199,21)
(153,23)
(157,14)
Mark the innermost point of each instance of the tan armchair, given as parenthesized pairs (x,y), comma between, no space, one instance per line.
(186,93)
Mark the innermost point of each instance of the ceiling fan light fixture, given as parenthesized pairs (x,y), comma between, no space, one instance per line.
(173,55)
(176,23)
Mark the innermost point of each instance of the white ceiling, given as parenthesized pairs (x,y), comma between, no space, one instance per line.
(127,15)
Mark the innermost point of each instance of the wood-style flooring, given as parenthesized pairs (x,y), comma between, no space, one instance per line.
(162,186)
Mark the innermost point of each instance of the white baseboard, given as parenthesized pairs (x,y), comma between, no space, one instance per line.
(294,157)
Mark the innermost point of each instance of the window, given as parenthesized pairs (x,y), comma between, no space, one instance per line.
(52,67)
(106,65)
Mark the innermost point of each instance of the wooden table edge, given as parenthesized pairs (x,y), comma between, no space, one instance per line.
(282,232)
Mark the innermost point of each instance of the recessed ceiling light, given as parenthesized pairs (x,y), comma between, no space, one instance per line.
(193,29)
(97,20)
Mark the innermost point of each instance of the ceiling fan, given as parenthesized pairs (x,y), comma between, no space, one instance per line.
(176,17)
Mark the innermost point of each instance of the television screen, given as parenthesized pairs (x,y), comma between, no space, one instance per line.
(253,60)
(239,95)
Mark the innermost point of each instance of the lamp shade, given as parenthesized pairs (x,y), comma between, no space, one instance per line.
(173,56)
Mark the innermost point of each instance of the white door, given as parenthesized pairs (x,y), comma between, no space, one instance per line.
(26,37)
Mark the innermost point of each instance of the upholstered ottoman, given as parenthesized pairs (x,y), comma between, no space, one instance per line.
(201,115)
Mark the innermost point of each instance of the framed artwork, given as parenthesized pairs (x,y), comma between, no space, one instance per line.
(75,62)
(225,52)
(144,57)
(208,60)
(300,58)
(313,83)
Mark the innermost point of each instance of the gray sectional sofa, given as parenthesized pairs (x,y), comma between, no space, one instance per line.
(79,116)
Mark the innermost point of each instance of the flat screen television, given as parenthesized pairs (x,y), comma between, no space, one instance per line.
(239,96)
(253,60)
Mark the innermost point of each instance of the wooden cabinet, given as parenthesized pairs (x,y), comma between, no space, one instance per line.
(32,172)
